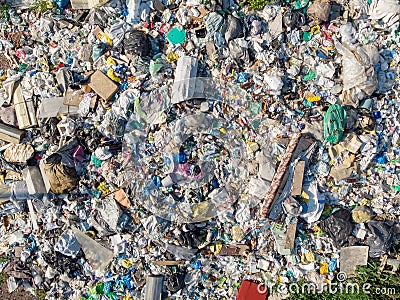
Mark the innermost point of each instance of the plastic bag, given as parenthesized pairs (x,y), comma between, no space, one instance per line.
(359,76)
(387,10)
(98,256)
(318,12)
(62,178)
(339,227)
(380,239)
(334,123)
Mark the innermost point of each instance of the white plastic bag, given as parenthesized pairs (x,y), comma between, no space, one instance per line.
(359,76)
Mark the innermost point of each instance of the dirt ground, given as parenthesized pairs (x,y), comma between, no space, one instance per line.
(19,294)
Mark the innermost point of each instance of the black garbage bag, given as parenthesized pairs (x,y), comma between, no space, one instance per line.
(136,42)
(63,264)
(339,227)
(380,238)
(50,131)
(232,28)
(175,282)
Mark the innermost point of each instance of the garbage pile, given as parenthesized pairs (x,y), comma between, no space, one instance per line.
(198,149)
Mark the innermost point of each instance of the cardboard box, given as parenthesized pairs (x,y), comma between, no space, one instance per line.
(351,257)
(24,110)
(10,134)
(102,85)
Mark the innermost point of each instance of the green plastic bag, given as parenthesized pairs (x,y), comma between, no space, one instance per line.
(311,75)
(334,123)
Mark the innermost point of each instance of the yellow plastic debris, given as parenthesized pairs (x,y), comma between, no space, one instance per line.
(316,29)
(314,98)
(323,268)
(111,61)
(172,57)
(112,76)
(126,263)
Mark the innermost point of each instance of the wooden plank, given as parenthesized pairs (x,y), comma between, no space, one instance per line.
(290,235)
(169,262)
(298,178)
(277,180)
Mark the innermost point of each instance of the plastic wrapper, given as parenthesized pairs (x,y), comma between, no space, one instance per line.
(98,256)
(318,11)
(359,76)
(388,11)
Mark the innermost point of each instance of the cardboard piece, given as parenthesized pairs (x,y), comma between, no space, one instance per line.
(335,151)
(233,250)
(352,144)
(353,256)
(24,109)
(345,169)
(290,235)
(102,85)
(169,262)
(87,4)
(10,134)
(298,178)
(122,199)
